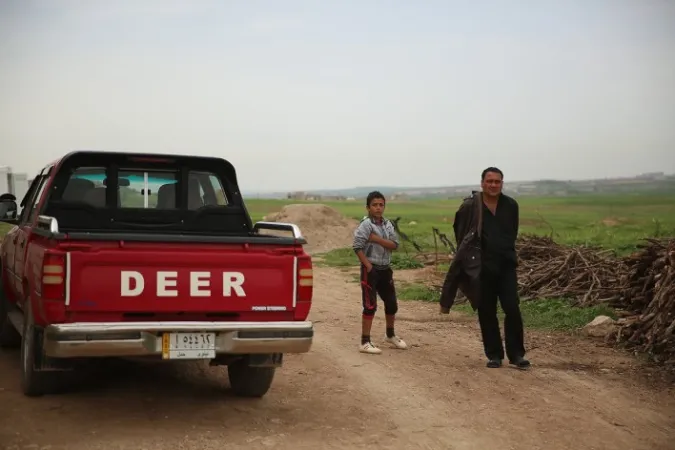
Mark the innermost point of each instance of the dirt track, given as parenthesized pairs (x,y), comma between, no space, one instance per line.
(436,395)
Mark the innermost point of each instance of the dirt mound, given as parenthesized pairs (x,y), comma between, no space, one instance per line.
(323,227)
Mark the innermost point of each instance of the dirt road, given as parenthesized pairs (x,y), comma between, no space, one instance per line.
(437,395)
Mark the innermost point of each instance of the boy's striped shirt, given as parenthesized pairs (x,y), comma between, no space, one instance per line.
(378,256)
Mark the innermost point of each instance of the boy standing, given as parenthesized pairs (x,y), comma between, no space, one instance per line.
(374,240)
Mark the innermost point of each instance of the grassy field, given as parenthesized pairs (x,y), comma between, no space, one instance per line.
(545,314)
(4,228)
(615,222)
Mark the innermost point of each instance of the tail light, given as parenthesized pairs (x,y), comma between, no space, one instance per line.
(53,277)
(305,288)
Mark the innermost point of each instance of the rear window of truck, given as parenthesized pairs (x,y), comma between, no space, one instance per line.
(144,188)
(131,194)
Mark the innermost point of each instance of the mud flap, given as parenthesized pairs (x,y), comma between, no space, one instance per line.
(253,360)
(271,360)
(44,363)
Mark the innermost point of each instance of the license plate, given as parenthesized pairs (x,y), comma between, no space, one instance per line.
(188,345)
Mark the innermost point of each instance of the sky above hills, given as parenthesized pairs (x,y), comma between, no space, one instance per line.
(309,95)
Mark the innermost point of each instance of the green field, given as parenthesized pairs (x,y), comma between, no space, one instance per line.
(4,228)
(546,314)
(617,222)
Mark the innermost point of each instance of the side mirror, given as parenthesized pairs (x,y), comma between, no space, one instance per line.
(8,209)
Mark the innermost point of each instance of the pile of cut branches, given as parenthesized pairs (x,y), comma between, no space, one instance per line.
(648,301)
(584,275)
(641,287)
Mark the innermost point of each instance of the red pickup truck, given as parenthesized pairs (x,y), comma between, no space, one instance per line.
(154,256)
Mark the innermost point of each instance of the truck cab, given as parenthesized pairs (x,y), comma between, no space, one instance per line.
(152,256)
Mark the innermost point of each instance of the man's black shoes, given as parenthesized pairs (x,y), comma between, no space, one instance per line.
(520,363)
(494,363)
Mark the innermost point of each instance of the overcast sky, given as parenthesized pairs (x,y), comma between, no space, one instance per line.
(326,94)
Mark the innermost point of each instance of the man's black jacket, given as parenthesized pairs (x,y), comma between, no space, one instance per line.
(465,268)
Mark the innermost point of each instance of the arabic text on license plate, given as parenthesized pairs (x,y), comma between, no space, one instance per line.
(188,345)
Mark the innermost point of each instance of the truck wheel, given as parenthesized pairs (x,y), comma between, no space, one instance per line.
(9,336)
(247,381)
(34,383)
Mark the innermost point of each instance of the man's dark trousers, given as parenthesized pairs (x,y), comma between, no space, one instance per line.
(502,284)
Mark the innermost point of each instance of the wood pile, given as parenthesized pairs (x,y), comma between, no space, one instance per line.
(584,275)
(647,301)
(640,287)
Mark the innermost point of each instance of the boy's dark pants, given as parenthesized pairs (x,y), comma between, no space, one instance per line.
(503,285)
(378,281)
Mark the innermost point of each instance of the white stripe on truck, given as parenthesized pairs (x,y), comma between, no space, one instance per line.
(67,278)
(295,281)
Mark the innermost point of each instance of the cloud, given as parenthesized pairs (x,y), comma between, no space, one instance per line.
(102,9)
(275,24)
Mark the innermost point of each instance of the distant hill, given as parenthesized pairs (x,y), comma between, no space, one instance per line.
(644,183)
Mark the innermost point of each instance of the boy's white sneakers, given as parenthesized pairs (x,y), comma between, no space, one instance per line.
(368,347)
(396,342)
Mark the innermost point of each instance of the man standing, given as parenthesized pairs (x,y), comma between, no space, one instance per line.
(494,217)
(498,273)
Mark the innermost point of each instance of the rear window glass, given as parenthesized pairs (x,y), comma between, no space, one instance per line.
(144,188)
(117,192)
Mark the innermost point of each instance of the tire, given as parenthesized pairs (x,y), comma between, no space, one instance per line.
(9,336)
(247,381)
(34,383)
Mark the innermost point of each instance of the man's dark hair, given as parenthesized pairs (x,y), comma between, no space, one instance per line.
(493,170)
(373,195)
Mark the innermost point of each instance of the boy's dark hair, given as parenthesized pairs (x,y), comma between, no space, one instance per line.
(373,195)
(493,170)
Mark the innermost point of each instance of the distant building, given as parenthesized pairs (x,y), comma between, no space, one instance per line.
(652,176)
(305,196)
(15,183)
(399,196)
(333,198)
(299,195)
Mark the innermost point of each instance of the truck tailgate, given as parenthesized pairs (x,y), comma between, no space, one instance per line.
(140,277)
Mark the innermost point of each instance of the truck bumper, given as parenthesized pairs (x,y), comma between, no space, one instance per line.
(93,339)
